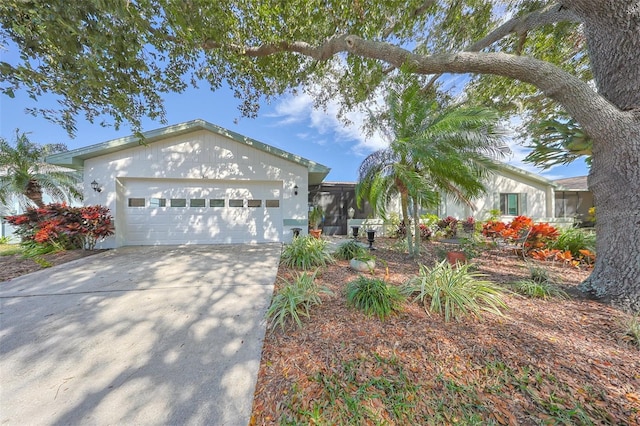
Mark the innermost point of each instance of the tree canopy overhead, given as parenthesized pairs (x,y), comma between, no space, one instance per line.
(117,57)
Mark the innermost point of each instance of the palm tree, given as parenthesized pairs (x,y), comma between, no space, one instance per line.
(433,151)
(556,142)
(26,177)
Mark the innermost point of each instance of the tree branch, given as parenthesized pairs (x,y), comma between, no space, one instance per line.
(579,100)
(322,52)
(519,25)
(523,24)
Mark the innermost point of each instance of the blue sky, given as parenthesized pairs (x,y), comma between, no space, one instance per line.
(290,123)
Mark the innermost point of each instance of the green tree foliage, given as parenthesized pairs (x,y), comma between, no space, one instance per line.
(554,142)
(26,177)
(433,150)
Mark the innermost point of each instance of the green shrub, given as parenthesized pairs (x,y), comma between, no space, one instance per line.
(374,296)
(539,285)
(540,290)
(539,275)
(32,249)
(454,291)
(574,240)
(294,300)
(306,253)
(349,250)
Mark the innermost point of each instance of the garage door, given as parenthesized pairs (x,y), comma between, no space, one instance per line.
(195,212)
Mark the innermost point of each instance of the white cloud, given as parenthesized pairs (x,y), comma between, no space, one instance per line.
(298,109)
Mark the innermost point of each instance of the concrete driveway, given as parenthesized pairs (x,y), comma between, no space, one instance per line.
(137,335)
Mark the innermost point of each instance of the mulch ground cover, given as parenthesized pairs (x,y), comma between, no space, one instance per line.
(544,362)
(15,265)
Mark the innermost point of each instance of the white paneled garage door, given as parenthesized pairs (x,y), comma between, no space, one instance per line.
(160,211)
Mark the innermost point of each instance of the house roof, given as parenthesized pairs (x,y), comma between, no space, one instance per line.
(528,175)
(75,158)
(578,183)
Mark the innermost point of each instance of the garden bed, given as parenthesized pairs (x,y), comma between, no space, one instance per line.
(545,361)
(15,265)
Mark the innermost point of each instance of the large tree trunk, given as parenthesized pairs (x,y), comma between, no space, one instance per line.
(612,28)
(614,180)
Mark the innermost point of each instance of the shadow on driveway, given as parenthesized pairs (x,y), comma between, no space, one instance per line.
(137,335)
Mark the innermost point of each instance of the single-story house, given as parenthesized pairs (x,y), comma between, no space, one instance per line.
(573,199)
(514,192)
(511,191)
(195,183)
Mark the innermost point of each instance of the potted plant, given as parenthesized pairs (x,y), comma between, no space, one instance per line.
(315,217)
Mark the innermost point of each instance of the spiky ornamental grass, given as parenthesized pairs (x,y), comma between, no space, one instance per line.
(306,253)
(539,285)
(574,240)
(631,330)
(374,296)
(295,300)
(454,291)
(349,250)
(539,290)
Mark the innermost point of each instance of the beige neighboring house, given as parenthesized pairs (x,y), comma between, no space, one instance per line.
(516,192)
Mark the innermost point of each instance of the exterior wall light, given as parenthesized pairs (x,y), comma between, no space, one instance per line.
(96,186)
(295,190)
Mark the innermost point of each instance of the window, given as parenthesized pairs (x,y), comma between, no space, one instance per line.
(197,202)
(272,203)
(158,202)
(136,202)
(510,204)
(216,202)
(236,203)
(254,203)
(178,202)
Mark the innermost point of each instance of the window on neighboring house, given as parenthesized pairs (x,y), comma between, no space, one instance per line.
(197,202)
(216,202)
(512,204)
(236,203)
(178,202)
(272,203)
(136,202)
(254,203)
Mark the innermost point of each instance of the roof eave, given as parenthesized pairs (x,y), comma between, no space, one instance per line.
(75,158)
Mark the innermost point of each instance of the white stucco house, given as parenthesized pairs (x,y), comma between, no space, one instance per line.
(195,183)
